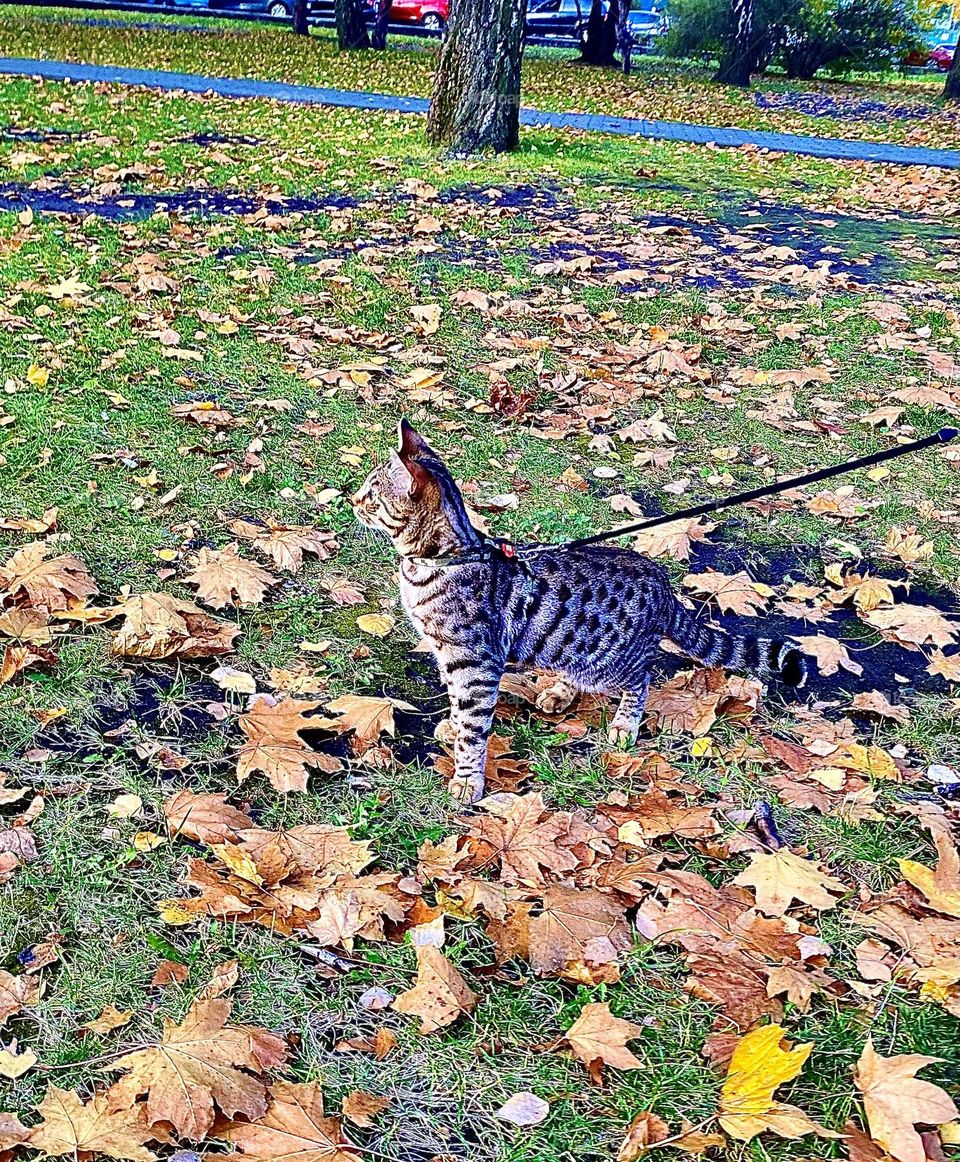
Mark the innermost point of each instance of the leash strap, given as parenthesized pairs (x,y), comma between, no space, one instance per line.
(944,436)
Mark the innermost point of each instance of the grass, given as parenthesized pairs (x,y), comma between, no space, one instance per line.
(312,308)
(911,113)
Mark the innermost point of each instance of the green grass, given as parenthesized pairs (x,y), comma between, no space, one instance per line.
(89,439)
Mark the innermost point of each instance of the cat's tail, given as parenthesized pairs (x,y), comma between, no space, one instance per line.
(768,658)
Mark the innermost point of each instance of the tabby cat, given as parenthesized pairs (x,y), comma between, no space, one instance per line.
(596,614)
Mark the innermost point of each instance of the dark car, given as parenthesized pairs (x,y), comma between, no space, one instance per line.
(567,18)
(942,57)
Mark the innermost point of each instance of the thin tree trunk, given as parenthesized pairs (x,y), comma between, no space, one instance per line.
(739,49)
(951,87)
(351,25)
(379,37)
(599,47)
(476,90)
(625,37)
(300,18)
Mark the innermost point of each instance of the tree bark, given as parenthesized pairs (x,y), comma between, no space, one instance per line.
(476,90)
(951,87)
(351,25)
(625,37)
(379,37)
(599,47)
(300,18)
(739,50)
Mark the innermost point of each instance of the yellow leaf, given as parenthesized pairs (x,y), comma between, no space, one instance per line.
(760,1064)
(171,912)
(377,624)
(701,747)
(124,807)
(38,375)
(14,1064)
(147,841)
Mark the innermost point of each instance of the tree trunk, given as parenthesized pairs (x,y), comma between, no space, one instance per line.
(380,25)
(739,49)
(625,37)
(351,24)
(476,90)
(951,88)
(300,18)
(599,47)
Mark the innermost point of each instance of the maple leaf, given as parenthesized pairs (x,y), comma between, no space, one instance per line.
(17,658)
(205,414)
(286,544)
(33,525)
(16,993)
(913,625)
(12,1133)
(223,577)
(798,984)
(204,818)
(440,995)
(367,717)
(520,840)
(50,585)
(895,1100)
(761,1062)
(274,745)
(940,885)
(362,1108)
(157,625)
(109,1019)
(781,877)
(26,625)
(673,539)
(734,981)
(599,1038)
(71,1127)
(829,654)
(577,925)
(294,1129)
(645,1130)
(947,666)
(873,704)
(735,593)
(690,702)
(199,1062)
(655,814)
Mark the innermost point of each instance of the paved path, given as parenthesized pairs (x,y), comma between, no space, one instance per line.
(828,147)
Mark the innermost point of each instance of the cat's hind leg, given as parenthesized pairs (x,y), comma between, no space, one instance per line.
(625,727)
(473,696)
(558,696)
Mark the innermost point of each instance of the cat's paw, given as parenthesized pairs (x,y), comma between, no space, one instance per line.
(445,732)
(466,790)
(556,699)
(622,736)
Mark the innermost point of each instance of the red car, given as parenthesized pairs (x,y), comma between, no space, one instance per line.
(432,14)
(940,57)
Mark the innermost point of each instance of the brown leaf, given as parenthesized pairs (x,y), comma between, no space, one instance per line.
(50,585)
(367,717)
(110,1018)
(577,925)
(599,1038)
(204,818)
(781,877)
(673,539)
(222,979)
(16,993)
(274,745)
(896,1100)
(169,972)
(440,995)
(362,1108)
(655,813)
(940,885)
(34,525)
(829,653)
(736,983)
(16,659)
(71,1127)
(205,414)
(223,577)
(286,544)
(736,593)
(157,625)
(294,1129)
(690,702)
(199,1062)
(873,704)
(913,625)
(13,1133)
(644,1131)
(513,827)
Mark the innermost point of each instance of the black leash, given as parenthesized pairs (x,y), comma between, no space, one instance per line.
(944,436)
(491,545)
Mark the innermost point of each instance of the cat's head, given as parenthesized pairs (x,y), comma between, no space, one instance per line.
(413,499)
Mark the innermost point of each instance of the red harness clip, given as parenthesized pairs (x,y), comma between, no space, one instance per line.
(508,550)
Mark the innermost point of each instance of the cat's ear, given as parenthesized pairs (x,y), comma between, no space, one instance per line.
(411,444)
(407,476)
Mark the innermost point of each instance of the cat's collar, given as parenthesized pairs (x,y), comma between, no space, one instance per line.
(486,550)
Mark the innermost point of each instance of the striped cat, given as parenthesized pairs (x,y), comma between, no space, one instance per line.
(595,615)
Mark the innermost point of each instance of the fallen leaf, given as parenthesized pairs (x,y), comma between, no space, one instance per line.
(940,885)
(896,1100)
(366,717)
(599,1038)
(830,654)
(110,1018)
(198,1063)
(673,539)
(362,1108)
(286,544)
(781,877)
(223,577)
(913,625)
(14,1064)
(157,625)
(645,1130)
(204,818)
(375,624)
(52,585)
(293,1129)
(73,1127)
(274,745)
(440,994)
(16,993)
(520,839)
(736,593)
(523,1109)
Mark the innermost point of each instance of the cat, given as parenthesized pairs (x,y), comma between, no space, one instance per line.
(596,615)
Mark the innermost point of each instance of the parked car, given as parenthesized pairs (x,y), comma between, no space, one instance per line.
(431,14)
(566,18)
(941,57)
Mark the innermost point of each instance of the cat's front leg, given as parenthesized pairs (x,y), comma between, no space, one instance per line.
(625,727)
(472,688)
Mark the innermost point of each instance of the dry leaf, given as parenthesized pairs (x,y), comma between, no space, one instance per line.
(14,1064)
(110,1018)
(673,539)
(222,979)
(782,877)
(50,585)
(829,653)
(294,1129)
(896,1100)
(223,577)
(366,717)
(362,1108)
(199,1062)
(940,885)
(16,993)
(286,544)
(274,745)
(599,1038)
(157,625)
(440,995)
(71,1127)
(913,625)
(736,593)
(375,624)
(204,818)
(513,830)
(523,1109)
(645,1130)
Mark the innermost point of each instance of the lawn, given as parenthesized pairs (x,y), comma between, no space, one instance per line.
(907,110)
(214,312)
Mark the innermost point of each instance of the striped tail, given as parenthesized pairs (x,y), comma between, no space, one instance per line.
(766,657)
